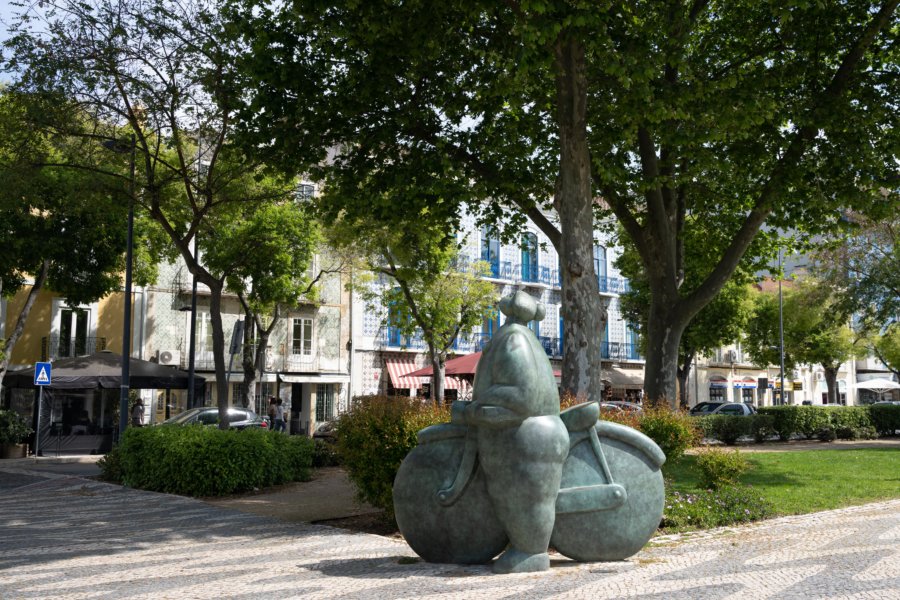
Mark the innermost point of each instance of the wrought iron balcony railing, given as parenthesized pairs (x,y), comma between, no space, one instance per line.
(54,346)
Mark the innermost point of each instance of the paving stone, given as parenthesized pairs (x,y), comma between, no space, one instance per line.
(65,537)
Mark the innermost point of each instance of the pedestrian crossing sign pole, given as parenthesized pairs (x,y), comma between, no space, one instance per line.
(42,378)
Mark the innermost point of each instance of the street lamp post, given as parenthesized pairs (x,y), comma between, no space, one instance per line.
(192,350)
(125,384)
(781,326)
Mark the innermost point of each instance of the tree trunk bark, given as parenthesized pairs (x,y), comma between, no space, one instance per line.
(662,355)
(438,360)
(249,360)
(683,371)
(583,313)
(218,335)
(10,343)
(831,374)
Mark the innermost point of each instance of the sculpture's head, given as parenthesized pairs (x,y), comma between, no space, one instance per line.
(521,308)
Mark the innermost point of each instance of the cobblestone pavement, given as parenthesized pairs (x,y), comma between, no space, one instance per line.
(66,537)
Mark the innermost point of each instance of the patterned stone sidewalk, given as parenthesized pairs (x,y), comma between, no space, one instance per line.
(66,537)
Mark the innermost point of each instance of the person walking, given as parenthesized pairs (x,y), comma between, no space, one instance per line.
(273,404)
(279,416)
(137,414)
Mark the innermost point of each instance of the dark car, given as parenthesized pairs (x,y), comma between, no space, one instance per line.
(239,418)
(704,408)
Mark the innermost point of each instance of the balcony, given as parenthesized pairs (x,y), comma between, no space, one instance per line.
(612,285)
(619,351)
(391,337)
(54,347)
(552,346)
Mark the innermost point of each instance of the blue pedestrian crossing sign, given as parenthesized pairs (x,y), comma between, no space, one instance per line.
(42,373)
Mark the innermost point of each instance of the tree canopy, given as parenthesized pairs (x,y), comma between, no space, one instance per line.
(678,114)
(156,70)
(816,330)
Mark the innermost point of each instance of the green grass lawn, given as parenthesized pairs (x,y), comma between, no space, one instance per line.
(808,481)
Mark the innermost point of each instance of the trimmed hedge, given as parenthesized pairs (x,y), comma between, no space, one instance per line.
(374,437)
(885,418)
(728,429)
(206,461)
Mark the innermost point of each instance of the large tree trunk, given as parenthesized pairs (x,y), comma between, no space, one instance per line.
(831,374)
(582,312)
(249,359)
(10,343)
(218,335)
(684,369)
(664,331)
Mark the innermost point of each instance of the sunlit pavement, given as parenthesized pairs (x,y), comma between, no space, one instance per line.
(66,537)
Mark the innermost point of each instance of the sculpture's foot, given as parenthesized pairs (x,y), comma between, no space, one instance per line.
(516,561)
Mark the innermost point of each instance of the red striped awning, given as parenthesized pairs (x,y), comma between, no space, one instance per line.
(399,370)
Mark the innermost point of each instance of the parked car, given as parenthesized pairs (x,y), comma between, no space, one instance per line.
(704,408)
(238,418)
(738,409)
(609,407)
(885,402)
(624,406)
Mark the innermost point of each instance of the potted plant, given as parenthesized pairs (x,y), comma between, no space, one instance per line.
(14,431)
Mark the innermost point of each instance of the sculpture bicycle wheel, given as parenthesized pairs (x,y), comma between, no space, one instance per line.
(592,522)
(463,529)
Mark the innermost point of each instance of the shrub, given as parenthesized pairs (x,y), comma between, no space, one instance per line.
(14,428)
(111,465)
(373,438)
(728,429)
(853,417)
(866,432)
(325,453)
(672,430)
(720,468)
(811,419)
(846,433)
(761,427)
(885,418)
(627,418)
(827,434)
(786,420)
(206,461)
(714,508)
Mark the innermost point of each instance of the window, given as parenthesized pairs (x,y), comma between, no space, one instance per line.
(208,417)
(490,250)
(324,402)
(301,338)
(529,257)
(717,394)
(535,326)
(600,266)
(491,322)
(204,332)
(731,409)
(73,332)
(305,191)
(747,395)
(237,393)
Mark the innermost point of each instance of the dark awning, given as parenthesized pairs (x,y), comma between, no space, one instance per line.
(104,370)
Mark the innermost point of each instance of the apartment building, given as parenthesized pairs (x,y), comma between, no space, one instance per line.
(382,356)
